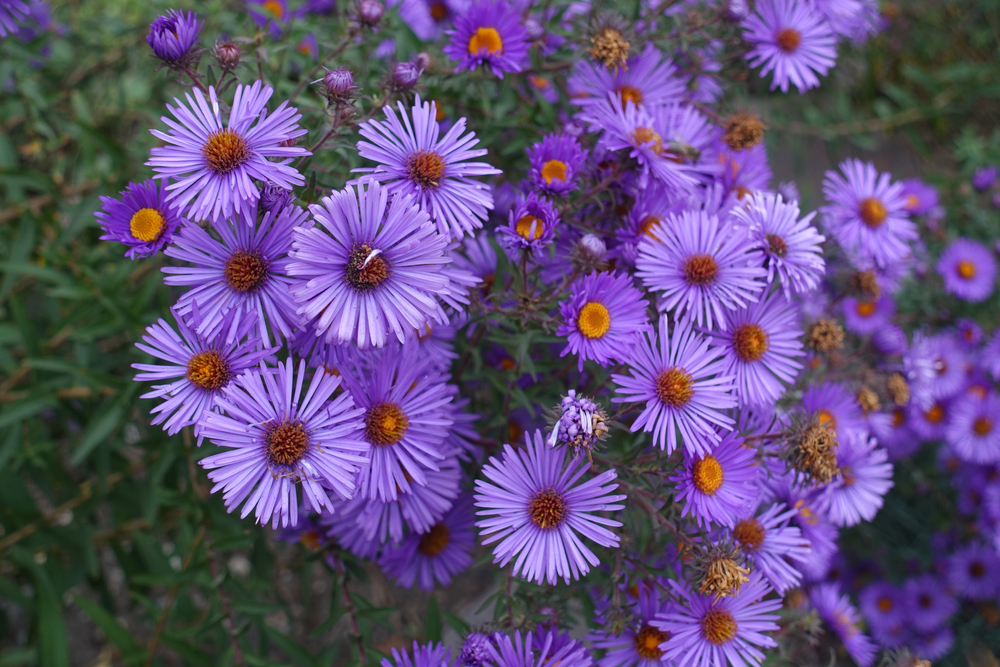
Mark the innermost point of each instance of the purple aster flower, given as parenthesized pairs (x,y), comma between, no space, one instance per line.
(537,650)
(141,219)
(579,424)
(950,366)
(272,14)
(720,486)
(636,130)
(652,206)
(555,164)
(212,167)
(489,33)
(273,197)
(689,138)
(12,12)
(882,605)
(648,79)
(369,269)
(921,198)
(836,408)
(968,269)
(930,423)
(638,645)
(837,611)
(531,225)
(172,37)
(476,649)
(245,270)
(791,247)
(984,178)
(865,477)
(406,419)
(431,655)
(679,377)
(760,344)
(770,543)
(972,429)
(706,632)
(528,502)
(933,644)
(602,317)
(791,39)
(969,333)
(867,316)
(744,172)
(927,602)
(433,557)
(428,18)
(867,214)
(197,369)
(279,440)
(699,268)
(890,340)
(415,160)
(973,572)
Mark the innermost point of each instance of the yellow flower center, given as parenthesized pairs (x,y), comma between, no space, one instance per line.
(554,170)
(208,370)
(674,387)
(275,8)
(750,342)
(967,269)
(530,227)
(426,169)
(147,224)
(485,38)
(873,212)
(225,150)
(707,475)
(547,509)
(646,135)
(385,424)
(594,320)
(630,94)
(718,626)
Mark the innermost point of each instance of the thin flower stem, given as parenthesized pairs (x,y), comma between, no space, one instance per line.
(351,611)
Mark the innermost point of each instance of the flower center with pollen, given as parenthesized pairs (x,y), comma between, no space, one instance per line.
(385,424)
(935,414)
(286,442)
(246,271)
(776,245)
(788,39)
(865,308)
(647,642)
(275,8)
(485,38)
(750,342)
(629,94)
(547,509)
(750,534)
(554,170)
(225,150)
(530,227)
(208,370)
(426,169)
(885,604)
(982,426)
(872,212)
(439,11)
(674,387)
(594,320)
(707,475)
(646,135)
(701,270)
(966,269)
(365,268)
(718,626)
(434,541)
(147,224)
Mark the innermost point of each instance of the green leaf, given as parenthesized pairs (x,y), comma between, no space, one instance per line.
(110,626)
(53,643)
(288,646)
(432,622)
(98,431)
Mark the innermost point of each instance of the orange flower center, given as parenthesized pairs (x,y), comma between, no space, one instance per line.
(707,475)
(750,342)
(246,271)
(629,94)
(286,442)
(275,8)
(865,308)
(530,227)
(982,426)
(827,420)
(439,11)
(147,224)
(547,509)
(646,135)
(967,269)
(485,38)
(225,150)
(647,642)
(750,534)
(788,39)
(872,212)
(425,168)
(554,170)
(701,270)
(935,414)
(674,387)
(594,320)
(385,424)
(718,626)
(208,370)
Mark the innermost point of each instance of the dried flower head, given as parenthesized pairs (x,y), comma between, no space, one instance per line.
(721,571)
(898,388)
(609,45)
(744,130)
(864,283)
(811,449)
(825,336)
(868,400)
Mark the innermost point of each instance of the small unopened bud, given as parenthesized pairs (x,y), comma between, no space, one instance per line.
(737,10)
(825,336)
(589,253)
(338,88)
(174,38)
(744,131)
(534,29)
(227,55)
(274,197)
(423,61)
(405,75)
(370,12)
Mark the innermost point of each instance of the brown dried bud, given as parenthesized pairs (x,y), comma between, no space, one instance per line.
(866,284)
(812,450)
(868,400)
(744,130)
(609,47)
(723,575)
(825,336)
(899,390)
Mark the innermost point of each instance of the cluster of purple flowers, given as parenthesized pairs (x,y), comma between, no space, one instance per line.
(314,346)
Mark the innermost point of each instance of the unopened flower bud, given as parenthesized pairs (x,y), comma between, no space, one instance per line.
(737,10)
(274,197)
(174,38)
(423,61)
(589,253)
(535,29)
(370,12)
(405,75)
(227,55)
(338,86)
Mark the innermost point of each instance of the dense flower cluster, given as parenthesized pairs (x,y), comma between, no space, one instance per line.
(736,376)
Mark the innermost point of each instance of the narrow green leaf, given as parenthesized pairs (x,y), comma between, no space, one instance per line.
(53,643)
(109,625)
(432,622)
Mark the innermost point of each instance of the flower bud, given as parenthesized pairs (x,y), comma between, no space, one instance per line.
(588,254)
(370,12)
(227,55)
(405,75)
(535,29)
(423,61)
(273,197)
(173,38)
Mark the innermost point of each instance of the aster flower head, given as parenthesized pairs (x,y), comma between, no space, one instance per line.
(433,557)
(556,162)
(531,225)
(973,571)
(142,219)
(882,605)
(928,602)
(837,611)
(791,246)
(602,317)
(720,486)
(532,505)
(835,407)
(406,419)
(212,167)
(538,649)
(791,39)
(856,495)
(370,269)
(984,177)
(414,159)
(430,655)
(699,267)
(680,378)
(174,36)
(708,632)
(921,198)
(272,14)
(489,33)
(969,270)
(638,645)
(280,441)
(867,214)
(196,371)
(579,424)
(760,344)
(973,429)
(12,12)
(648,79)
(772,546)
(243,270)
(866,316)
